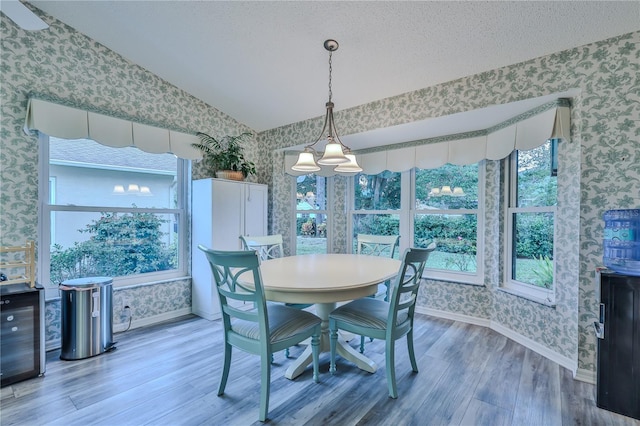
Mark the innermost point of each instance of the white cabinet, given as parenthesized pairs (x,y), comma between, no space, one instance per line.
(222,211)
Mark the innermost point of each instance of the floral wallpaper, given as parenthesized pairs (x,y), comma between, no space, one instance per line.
(61,63)
(599,170)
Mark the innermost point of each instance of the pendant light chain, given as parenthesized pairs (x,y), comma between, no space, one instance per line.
(330,69)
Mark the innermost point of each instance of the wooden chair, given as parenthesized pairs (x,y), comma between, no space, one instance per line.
(385,320)
(377,245)
(260,330)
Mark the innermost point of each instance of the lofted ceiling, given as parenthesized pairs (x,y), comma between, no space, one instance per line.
(264,64)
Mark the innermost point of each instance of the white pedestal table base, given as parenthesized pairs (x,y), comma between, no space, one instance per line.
(343,349)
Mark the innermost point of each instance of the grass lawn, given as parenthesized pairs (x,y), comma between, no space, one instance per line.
(438,260)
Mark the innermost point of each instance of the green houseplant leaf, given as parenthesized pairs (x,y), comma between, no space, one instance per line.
(225,153)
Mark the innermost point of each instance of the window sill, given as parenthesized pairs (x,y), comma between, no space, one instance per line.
(53,293)
(541,301)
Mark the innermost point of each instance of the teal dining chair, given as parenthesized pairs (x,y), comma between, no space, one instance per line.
(269,247)
(388,321)
(260,330)
(377,245)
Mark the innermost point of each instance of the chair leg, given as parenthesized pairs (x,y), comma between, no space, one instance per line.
(286,353)
(225,368)
(315,353)
(412,355)
(265,385)
(391,368)
(361,344)
(333,340)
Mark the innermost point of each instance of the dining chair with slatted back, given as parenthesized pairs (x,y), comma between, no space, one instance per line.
(262,329)
(377,245)
(388,321)
(267,246)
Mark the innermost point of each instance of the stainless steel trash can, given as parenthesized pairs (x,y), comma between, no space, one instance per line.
(87,309)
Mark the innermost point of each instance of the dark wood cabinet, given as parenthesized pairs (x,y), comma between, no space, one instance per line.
(618,375)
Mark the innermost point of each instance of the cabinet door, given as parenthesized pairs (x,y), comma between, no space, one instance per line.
(255,210)
(227,215)
(618,386)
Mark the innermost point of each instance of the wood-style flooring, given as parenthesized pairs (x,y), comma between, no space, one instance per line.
(168,374)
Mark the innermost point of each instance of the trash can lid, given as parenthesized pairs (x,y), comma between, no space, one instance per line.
(88,282)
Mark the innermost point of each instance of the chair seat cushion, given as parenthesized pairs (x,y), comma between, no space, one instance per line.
(366,312)
(284,322)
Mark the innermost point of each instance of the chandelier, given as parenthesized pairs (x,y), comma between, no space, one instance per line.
(335,152)
(446,190)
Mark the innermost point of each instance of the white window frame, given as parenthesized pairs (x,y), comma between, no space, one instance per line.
(293,241)
(474,278)
(404,226)
(407,214)
(46,209)
(526,290)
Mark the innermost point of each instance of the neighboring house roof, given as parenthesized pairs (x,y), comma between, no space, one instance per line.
(90,152)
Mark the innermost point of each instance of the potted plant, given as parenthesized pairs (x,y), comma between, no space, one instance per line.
(224,157)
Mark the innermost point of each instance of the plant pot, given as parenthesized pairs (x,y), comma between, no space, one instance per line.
(229,174)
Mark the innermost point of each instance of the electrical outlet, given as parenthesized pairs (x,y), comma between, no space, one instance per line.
(125,304)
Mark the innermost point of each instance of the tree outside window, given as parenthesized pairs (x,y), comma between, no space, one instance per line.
(533,187)
(377,201)
(446,212)
(115,212)
(311,214)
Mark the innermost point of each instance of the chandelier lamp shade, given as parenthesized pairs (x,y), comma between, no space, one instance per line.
(446,190)
(335,152)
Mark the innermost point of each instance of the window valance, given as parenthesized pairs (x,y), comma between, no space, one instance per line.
(68,122)
(495,143)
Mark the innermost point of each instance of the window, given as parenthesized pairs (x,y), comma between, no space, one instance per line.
(447,212)
(451,217)
(377,203)
(311,214)
(530,222)
(116,212)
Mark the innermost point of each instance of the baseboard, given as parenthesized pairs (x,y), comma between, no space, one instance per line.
(211,316)
(468,319)
(142,322)
(52,345)
(567,363)
(516,337)
(586,376)
(55,344)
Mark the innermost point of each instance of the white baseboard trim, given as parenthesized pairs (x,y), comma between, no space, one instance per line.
(567,363)
(516,337)
(55,344)
(118,328)
(586,376)
(52,345)
(211,316)
(468,319)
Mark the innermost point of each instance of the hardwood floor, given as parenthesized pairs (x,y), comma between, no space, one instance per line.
(168,374)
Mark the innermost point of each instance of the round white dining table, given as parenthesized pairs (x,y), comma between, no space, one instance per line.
(324,280)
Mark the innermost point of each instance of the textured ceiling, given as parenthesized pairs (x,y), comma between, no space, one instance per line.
(264,64)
